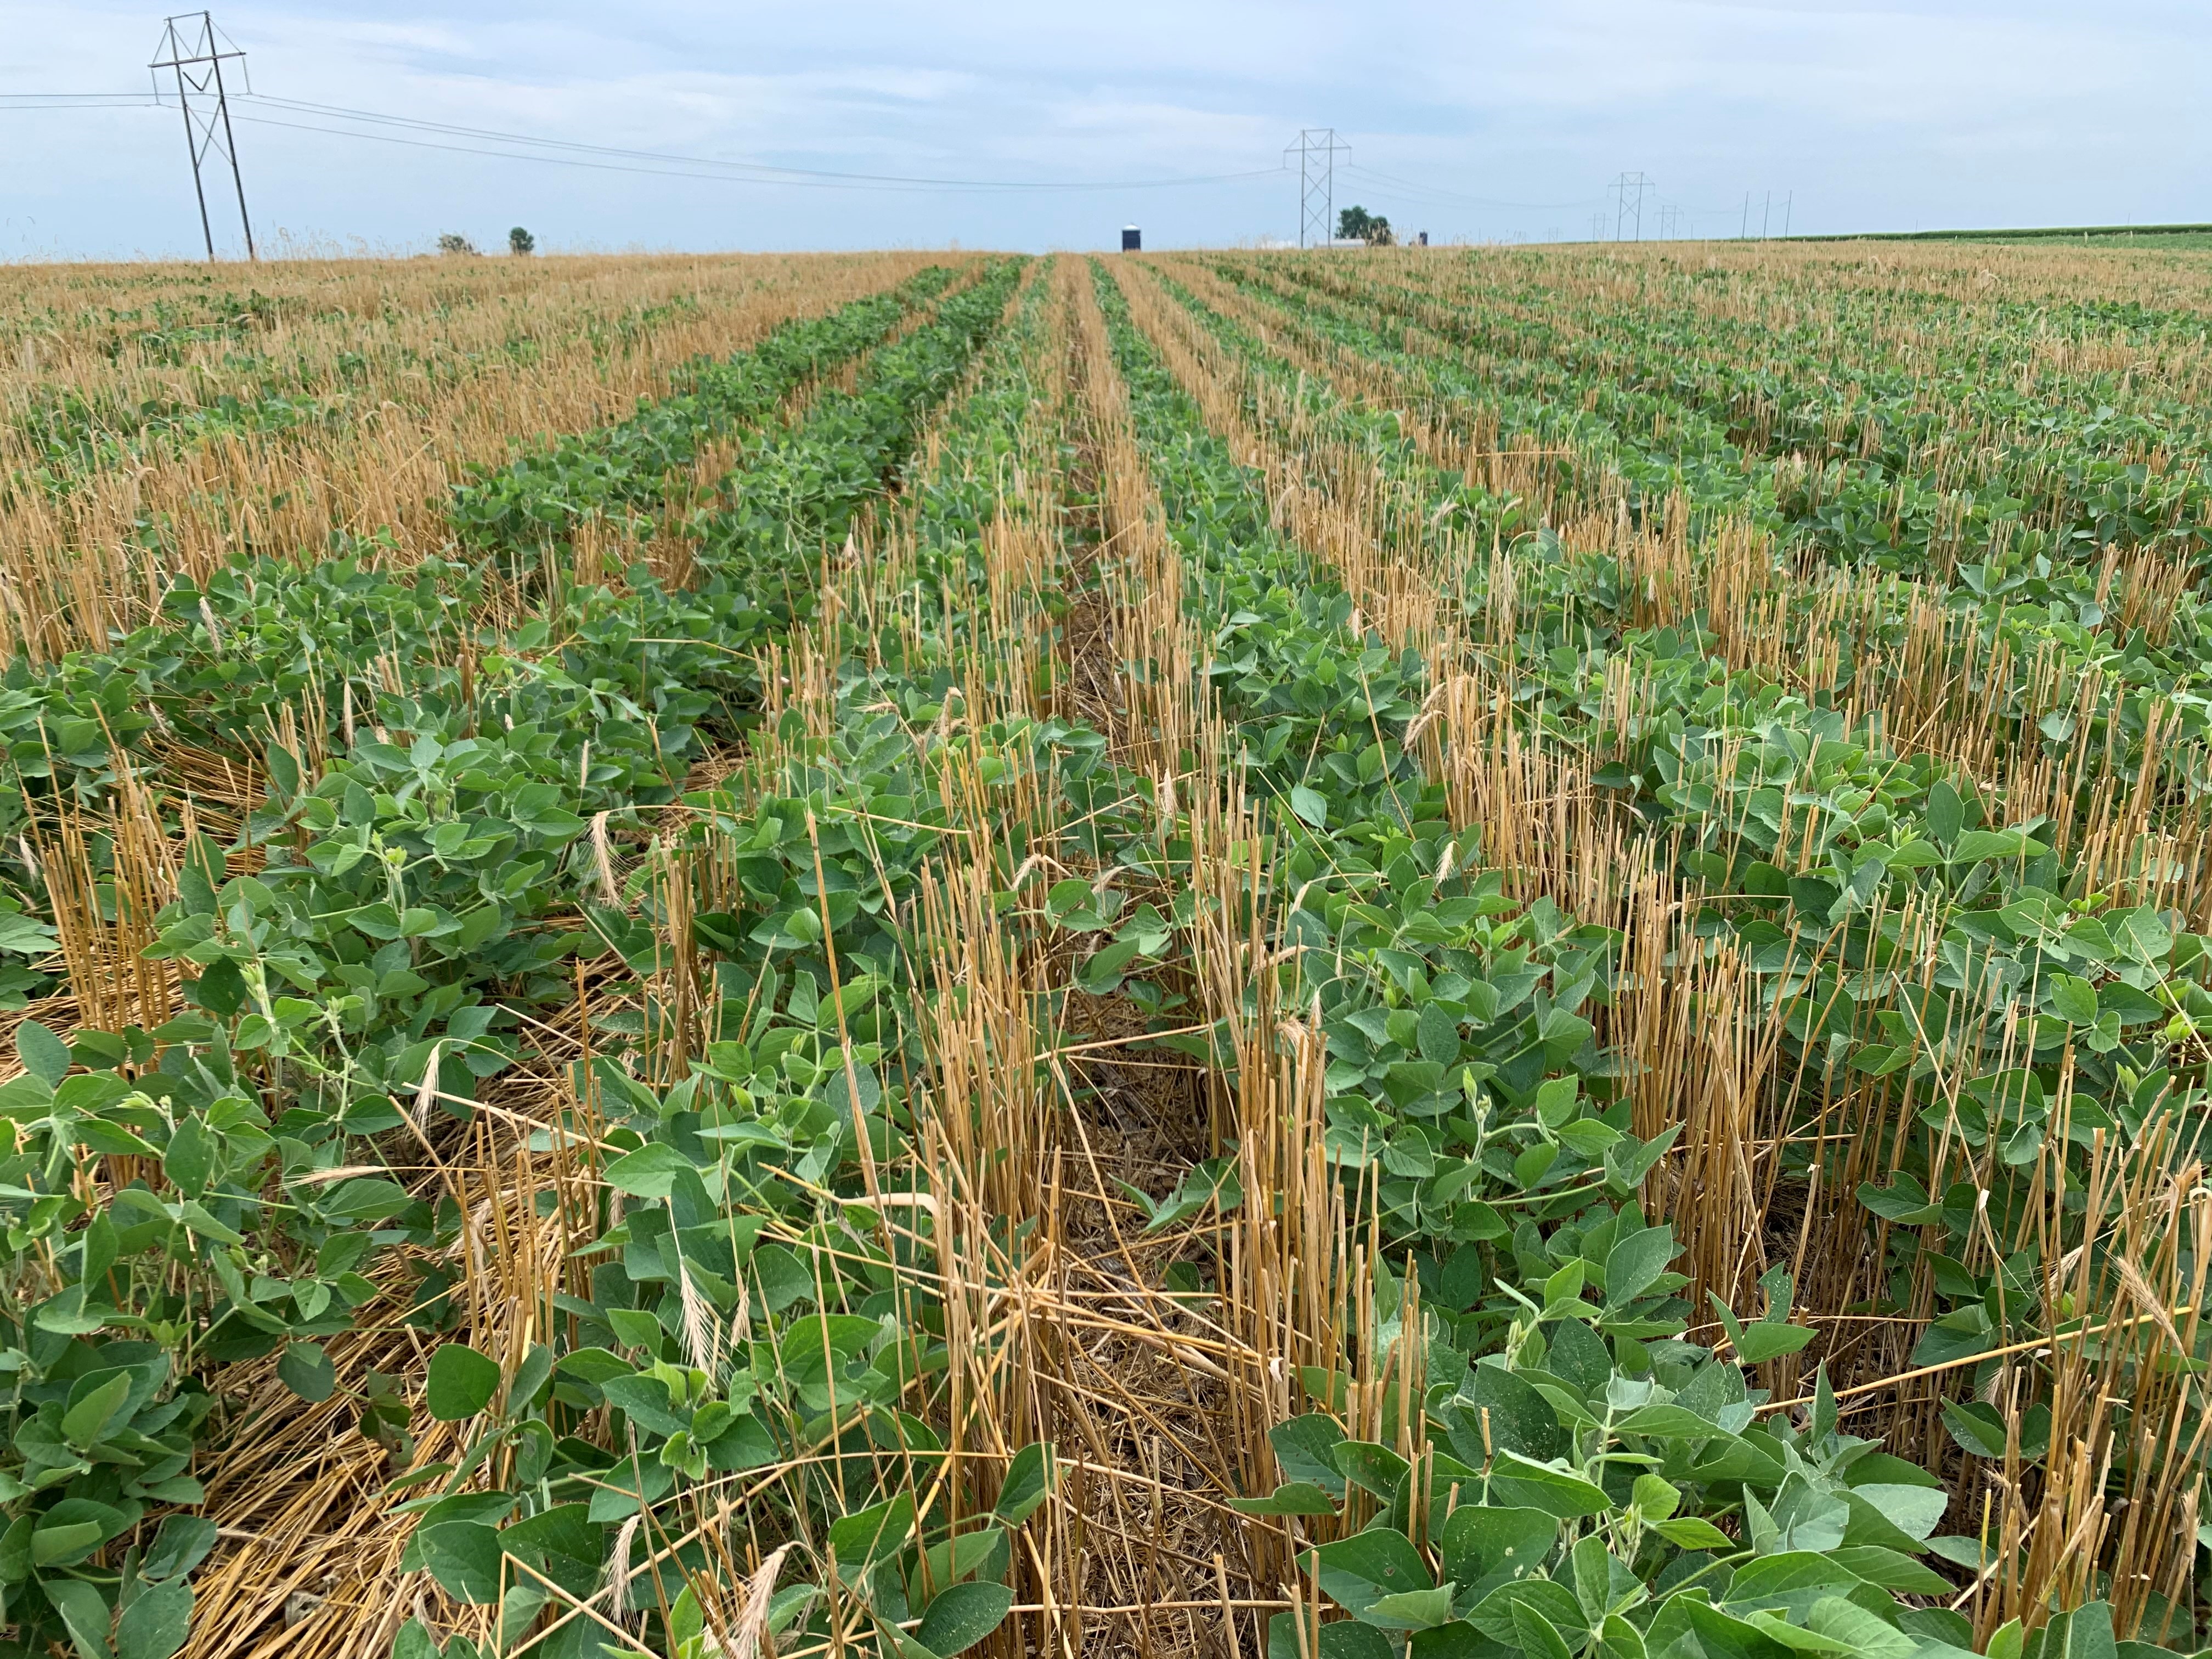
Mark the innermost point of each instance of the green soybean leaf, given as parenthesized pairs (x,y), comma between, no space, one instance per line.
(1633,1265)
(1359,1570)
(85,1421)
(648,1172)
(1341,1639)
(306,1369)
(2073,1000)
(1692,1532)
(1030,1475)
(461,1382)
(464,1557)
(45,1055)
(1306,1450)
(1537,1637)
(1292,1497)
(1520,1480)
(1483,1547)
(84,1613)
(1862,1632)
(869,1533)
(59,1546)
(1913,1510)
(962,1615)
(155,1623)
(181,1545)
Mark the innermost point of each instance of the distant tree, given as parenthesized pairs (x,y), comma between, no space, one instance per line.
(521,241)
(453,242)
(1357,224)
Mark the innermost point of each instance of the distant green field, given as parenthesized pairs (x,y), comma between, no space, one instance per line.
(2147,236)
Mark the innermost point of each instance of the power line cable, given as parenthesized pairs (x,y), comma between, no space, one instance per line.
(79,100)
(1458,195)
(670,165)
(492,134)
(859,181)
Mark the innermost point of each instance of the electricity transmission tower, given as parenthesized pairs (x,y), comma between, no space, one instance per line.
(194,51)
(1628,209)
(1317,148)
(1670,219)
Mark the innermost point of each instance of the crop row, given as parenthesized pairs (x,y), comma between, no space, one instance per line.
(2048,669)
(417,856)
(1723,774)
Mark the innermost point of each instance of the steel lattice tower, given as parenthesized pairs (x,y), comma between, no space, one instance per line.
(194,51)
(1317,148)
(1628,209)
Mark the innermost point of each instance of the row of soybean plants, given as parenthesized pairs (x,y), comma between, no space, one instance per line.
(1873,464)
(767,1330)
(2071,465)
(168,1201)
(2047,613)
(2092,1005)
(68,433)
(1904,810)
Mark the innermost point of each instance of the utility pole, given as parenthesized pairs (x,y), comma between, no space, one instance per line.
(1317,148)
(1765,215)
(1627,208)
(194,51)
(1786,201)
(1745,230)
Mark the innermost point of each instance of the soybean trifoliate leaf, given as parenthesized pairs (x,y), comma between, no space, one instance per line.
(1692,1532)
(1359,1570)
(1860,1631)
(461,1382)
(1557,1099)
(1292,1497)
(648,1172)
(1522,1481)
(1028,1481)
(306,1369)
(1306,1450)
(1913,1510)
(1410,1609)
(1634,1264)
(876,1531)
(155,1623)
(1371,1468)
(84,1612)
(2074,999)
(1537,1637)
(181,1545)
(26,935)
(1484,1546)
(1342,1639)
(464,1557)
(92,1412)
(1655,1497)
(59,1544)
(45,1054)
(962,1615)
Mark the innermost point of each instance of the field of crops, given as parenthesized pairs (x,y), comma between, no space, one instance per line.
(1430,953)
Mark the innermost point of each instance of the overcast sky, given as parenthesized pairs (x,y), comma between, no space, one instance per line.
(1490,121)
